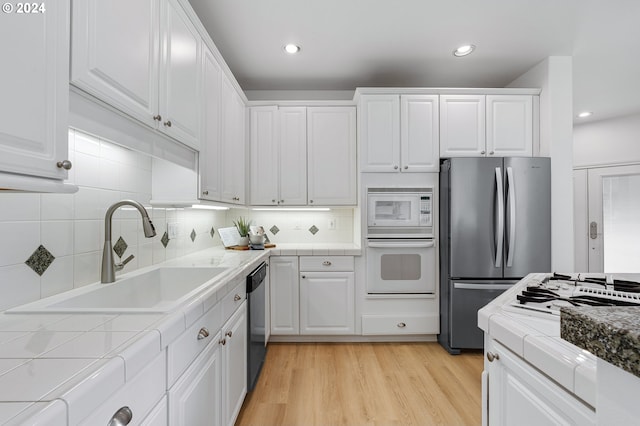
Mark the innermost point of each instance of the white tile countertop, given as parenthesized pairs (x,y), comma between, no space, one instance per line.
(48,361)
(536,339)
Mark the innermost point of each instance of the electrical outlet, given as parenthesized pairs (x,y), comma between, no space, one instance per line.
(172,230)
(332,223)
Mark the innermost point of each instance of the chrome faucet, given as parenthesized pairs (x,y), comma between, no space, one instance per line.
(109,267)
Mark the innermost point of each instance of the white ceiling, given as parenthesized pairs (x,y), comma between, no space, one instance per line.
(409,43)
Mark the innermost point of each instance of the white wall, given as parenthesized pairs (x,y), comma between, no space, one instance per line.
(554,77)
(607,142)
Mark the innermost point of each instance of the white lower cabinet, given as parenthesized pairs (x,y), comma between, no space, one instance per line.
(234,365)
(196,397)
(284,293)
(516,393)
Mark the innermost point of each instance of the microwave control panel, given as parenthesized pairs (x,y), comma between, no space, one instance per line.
(426,207)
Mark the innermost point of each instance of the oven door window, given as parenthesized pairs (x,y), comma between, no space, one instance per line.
(400,267)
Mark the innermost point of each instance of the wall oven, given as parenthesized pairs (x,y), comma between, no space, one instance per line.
(400,247)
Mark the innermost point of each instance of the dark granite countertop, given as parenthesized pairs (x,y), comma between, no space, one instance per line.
(610,333)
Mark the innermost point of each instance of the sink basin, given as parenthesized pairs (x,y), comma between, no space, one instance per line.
(159,290)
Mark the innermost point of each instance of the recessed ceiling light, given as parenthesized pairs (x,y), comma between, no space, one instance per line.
(291,48)
(464,50)
(585,114)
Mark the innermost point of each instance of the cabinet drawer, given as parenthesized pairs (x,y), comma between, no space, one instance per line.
(184,350)
(139,394)
(234,299)
(326,263)
(400,324)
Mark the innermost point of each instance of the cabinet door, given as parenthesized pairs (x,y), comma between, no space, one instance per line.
(331,155)
(209,156)
(327,303)
(235,364)
(115,50)
(379,125)
(518,394)
(180,75)
(157,416)
(293,156)
(420,135)
(510,125)
(196,397)
(34,103)
(264,151)
(462,125)
(233,145)
(283,280)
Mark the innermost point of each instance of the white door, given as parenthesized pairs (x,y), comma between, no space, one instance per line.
(34,90)
(462,126)
(379,133)
(283,281)
(115,54)
(264,151)
(293,156)
(420,133)
(180,76)
(331,155)
(209,157)
(327,303)
(614,219)
(235,364)
(510,125)
(232,163)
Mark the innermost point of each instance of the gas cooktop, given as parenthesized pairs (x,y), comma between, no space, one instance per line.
(553,292)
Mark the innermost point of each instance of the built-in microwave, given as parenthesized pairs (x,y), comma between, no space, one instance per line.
(399,212)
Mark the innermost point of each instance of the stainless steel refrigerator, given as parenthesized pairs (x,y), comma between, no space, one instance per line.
(495,228)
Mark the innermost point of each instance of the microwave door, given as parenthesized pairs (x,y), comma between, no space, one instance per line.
(393,211)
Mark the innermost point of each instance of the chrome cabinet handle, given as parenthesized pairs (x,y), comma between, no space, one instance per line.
(304,276)
(491,356)
(229,333)
(326,263)
(157,117)
(205,192)
(491,153)
(237,297)
(203,333)
(310,201)
(401,325)
(282,201)
(64,164)
(167,123)
(395,167)
(121,417)
(222,341)
(483,152)
(406,167)
(273,201)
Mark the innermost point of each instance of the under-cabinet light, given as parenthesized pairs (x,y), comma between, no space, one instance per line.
(207,207)
(292,209)
(585,114)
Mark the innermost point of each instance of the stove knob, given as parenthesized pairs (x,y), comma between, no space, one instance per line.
(491,356)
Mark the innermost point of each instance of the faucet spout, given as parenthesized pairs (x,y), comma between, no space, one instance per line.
(108,273)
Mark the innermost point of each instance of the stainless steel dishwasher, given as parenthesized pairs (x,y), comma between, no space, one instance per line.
(256,347)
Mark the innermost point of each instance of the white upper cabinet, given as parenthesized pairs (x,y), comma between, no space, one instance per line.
(209,157)
(180,74)
(34,103)
(399,133)
(510,125)
(462,125)
(232,155)
(379,124)
(331,155)
(278,156)
(486,125)
(419,137)
(143,58)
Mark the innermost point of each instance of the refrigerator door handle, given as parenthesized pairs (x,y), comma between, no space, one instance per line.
(512,216)
(499,229)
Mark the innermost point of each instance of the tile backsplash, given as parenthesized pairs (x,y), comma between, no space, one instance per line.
(70,227)
(52,243)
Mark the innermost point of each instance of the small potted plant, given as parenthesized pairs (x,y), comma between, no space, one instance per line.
(242,225)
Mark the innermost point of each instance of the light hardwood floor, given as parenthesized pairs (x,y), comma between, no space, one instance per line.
(365,384)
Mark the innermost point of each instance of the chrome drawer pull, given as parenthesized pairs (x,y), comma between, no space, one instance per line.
(326,263)
(401,325)
(203,333)
(121,417)
(222,341)
(229,333)
(491,356)
(237,297)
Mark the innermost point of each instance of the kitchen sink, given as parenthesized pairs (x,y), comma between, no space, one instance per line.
(159,290)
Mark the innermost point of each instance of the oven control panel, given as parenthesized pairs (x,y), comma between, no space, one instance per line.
(426,207)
